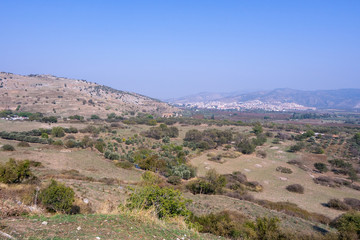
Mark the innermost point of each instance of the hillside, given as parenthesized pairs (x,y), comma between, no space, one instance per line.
(348,99)
(65,97)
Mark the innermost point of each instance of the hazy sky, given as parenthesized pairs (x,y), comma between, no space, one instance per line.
(172,48)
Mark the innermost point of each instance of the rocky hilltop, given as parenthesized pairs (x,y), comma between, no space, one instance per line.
(53,95)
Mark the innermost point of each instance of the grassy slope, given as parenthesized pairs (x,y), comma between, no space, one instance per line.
(120,226)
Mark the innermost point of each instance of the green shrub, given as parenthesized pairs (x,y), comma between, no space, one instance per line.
(45,135)
(114,156)
(58,143)
(8,147)
(174,180)
(57,132)
(296,188)
(284,170)
(23,144)
(71,143)
(125,164)
(321,167)
(150,178)
(297,147)
(348,225)
(245,146)
(57,197)
(100,146)
(228,224)
(15,172)
(266,228)
(210,184)
(167,202)
(183,171)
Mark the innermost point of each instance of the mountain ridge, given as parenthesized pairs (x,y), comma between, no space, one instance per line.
(347,98)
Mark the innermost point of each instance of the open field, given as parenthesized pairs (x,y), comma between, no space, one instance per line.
(101,186)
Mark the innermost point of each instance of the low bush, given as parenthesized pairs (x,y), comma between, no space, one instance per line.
(321,167)
(261,154)
(23,144)
(228,224)
(296,188)
(58,143)
(8,147)
(15,172)
(338,205)
(71,143)
(57,197)
(210,184)
(100,146)
(125,164)
(166,202)
(150,178)
(57,132)
(297,147)
(183,171)
(284,170)
(353,203)
(174,180)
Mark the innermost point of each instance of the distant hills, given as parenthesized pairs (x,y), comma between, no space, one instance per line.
(61,96)
(282,98)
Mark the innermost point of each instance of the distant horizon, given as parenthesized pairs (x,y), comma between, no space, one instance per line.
(168,49)
(187,95)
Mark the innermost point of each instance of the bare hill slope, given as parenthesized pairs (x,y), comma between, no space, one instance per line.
(61,96)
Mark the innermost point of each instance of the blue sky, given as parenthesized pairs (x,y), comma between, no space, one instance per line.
(167,49)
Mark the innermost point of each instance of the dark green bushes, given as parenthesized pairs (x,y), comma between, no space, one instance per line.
(245,146)
(297,147)
(208,139)
(15,172)
(57,197)
(162,131)
(321,167)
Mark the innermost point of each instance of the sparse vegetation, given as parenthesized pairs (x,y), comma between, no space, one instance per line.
(8,147)
(296,188)
(284,170)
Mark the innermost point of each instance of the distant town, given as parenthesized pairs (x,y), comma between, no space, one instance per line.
(248,105)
